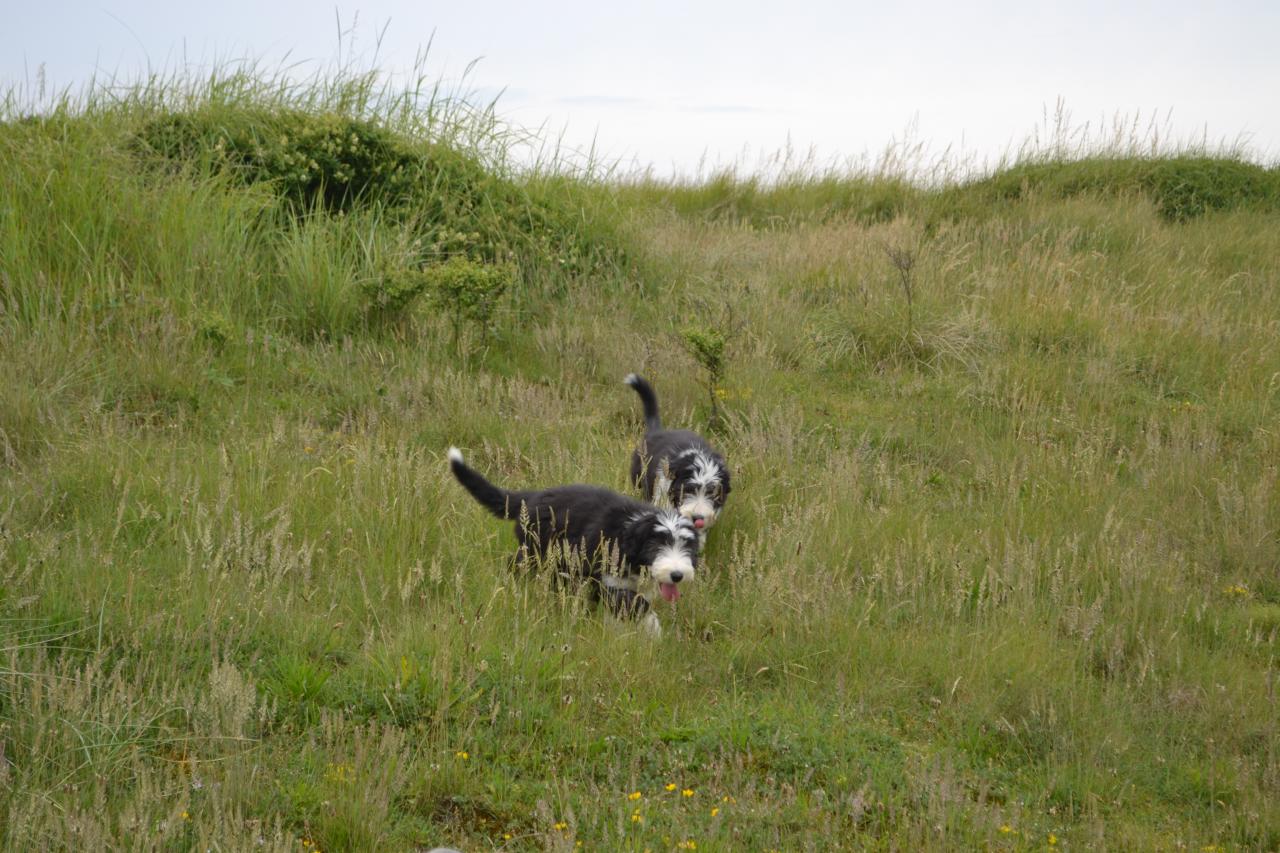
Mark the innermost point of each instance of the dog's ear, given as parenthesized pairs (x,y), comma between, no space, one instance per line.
(634,536)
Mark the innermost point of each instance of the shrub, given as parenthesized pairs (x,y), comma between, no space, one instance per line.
(215,328)
(388,295)
(707,346)
(326,160)
(1181,188)
(467,291)
(1187,187)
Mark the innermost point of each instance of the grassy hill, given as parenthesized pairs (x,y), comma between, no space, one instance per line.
(1001,568)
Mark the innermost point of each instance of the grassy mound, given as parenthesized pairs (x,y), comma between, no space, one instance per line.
(298,208)
(1181,187)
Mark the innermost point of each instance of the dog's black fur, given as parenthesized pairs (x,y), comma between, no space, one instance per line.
(677,467)
(595,535)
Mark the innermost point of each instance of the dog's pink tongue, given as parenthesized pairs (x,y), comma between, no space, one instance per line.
(669,591)
(699,523)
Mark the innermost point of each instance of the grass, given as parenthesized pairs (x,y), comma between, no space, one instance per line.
(1005,577)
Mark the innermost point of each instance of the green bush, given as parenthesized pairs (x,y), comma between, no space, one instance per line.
(1187,187)
(467,291)
(1181,188)
(326,160)
(388,295)
(707,346)
(215,329)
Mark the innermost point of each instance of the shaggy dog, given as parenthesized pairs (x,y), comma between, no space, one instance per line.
(678,468)
(594,535)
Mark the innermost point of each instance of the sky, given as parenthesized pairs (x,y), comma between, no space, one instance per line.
(685,88)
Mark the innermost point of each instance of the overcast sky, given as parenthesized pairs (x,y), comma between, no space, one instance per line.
(675,84)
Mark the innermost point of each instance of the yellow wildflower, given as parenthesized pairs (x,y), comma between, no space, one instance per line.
(1053,839)
(715,811)
(462,755)
(670,786)
(634,795)
(339,773)
(1005,828)
(687,792)
(561,825)
(185,816)
(636,817)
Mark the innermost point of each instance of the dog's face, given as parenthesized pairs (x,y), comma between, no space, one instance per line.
(665,542)
(699,484)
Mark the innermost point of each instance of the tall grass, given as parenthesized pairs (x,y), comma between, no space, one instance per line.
(1003,577)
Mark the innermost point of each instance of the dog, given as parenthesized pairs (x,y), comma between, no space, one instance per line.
(678,468)
(610,541)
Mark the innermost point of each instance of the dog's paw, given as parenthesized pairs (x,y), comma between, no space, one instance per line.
(651,625)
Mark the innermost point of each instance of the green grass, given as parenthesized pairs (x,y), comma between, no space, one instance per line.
(1009,571)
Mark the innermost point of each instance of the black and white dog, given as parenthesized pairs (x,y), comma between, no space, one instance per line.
(594,535)
(678,468)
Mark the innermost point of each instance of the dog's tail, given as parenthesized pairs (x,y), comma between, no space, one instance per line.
(500,502)
(650,400)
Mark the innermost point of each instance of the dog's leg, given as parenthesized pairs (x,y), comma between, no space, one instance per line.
(651,625)
(625,603)
(518,565)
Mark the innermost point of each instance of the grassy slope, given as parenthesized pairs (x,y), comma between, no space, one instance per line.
(1006,576)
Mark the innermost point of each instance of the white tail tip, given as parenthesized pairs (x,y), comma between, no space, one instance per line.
(631,379)
(455,455)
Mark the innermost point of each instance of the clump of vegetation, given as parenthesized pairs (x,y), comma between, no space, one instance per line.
(467,292)
(903,257)
(793,199)
(215,328)
(707,346)
(328,160)
(1181,187)
(389,294)
(1187,187)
